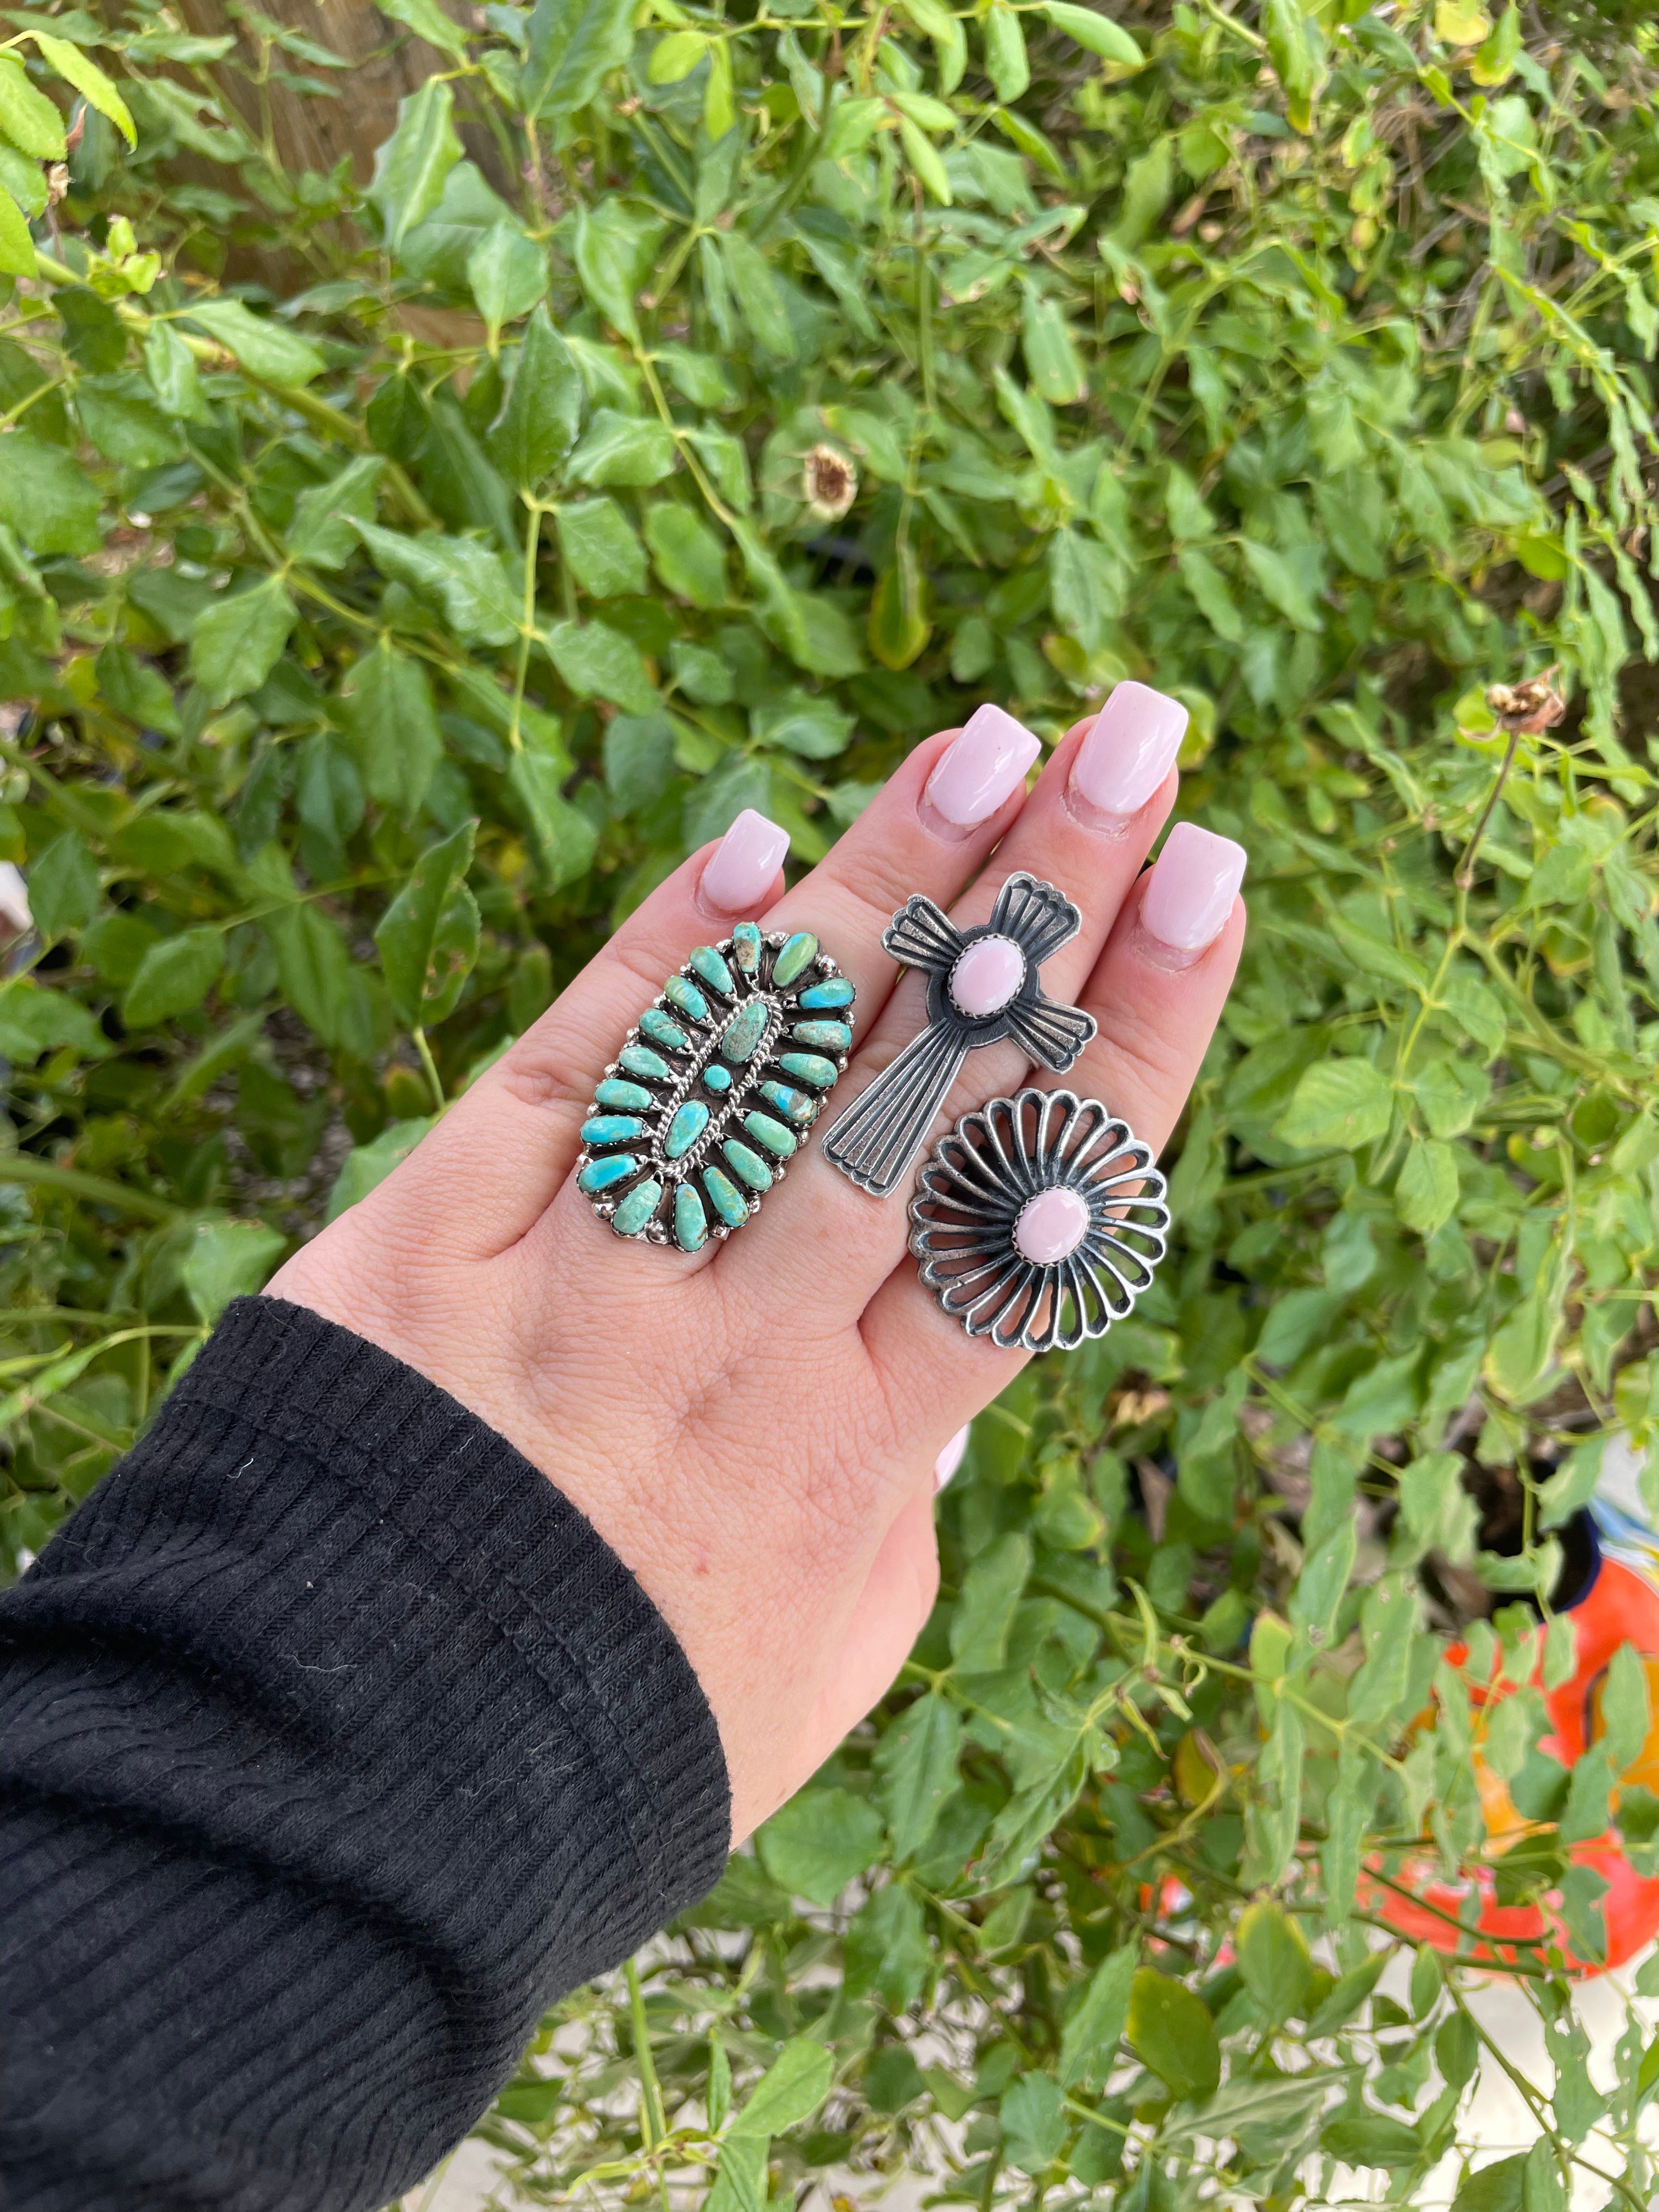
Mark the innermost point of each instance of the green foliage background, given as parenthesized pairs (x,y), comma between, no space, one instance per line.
(396,582)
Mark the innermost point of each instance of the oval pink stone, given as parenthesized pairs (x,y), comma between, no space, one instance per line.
(1051,1226)
(988,976)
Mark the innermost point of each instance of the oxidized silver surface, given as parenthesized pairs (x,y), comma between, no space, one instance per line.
(875,1141)
(715,1088)
(980,1175)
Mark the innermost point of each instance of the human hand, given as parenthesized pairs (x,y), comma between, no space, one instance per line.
(753,1428)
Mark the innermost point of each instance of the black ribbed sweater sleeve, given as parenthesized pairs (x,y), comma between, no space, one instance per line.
(335,1746)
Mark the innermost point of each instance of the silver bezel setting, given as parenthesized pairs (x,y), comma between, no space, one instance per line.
(726,1116)
(979,1178)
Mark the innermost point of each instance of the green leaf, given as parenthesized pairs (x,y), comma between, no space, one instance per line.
(1280,584)
(759,300)
(507,274)
(1367,2138)
(411,169)
(171,368)
(322,533)
(88,80)
(598,662)
(916,1769)
(464,578)
(34,1021)
(887,1950)
(1494,2188)
(1274,1960)
(1339,1104)
(1170,2031)
(237,641)
(173,977)
(1005,62)
(45,498)
(385,706)
(62,888)
(1088,2044)
(429,935)
(265,349)
(1052,360)
(790,2091)
(228,1259)
(1034,2123)
(687,555)
(1426,1193)
(1291,49)
(17,247)
(1097,34)
(427,20)
(984,1613)
(574,47)
(600,549)
(674,56)
(627,450)
(123,421)
(639,759)
(314,967)
(819,1842)
(804,723)
(28,117)
(566,838)
(544,410)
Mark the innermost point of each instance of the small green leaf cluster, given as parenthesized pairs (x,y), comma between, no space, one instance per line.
(400,574)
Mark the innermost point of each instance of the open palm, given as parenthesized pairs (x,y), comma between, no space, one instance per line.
(753,1427)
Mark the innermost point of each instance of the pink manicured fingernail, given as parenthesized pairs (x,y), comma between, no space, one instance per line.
(743,866)
(949,1460)
(1129,751)
(1191,889)
(983,769)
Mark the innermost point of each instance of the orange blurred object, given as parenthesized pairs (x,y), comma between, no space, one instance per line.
(1618,1605)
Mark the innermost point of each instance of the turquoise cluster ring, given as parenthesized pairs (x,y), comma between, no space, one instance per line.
(716,1088)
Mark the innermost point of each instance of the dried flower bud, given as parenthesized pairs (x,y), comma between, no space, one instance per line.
(1536,703)
(58,182)
(829,483)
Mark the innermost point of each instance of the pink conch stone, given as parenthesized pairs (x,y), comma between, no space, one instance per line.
(988,976)
(1050,1226)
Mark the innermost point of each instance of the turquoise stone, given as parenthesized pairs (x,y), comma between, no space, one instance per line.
(749,1166)
(826,1037)
(716,1077)
(796,955)
(600,1175)
(684,1130)
(744,1032)
(690,1221)
(713,971)
(687,997)
(765,1131)
(612,1128)
(655,1025)
(807,1067)
(637,1208)
(794,1105)
(640,1060)
(746,942)
(727,1201)
(837,992)
(623,1097)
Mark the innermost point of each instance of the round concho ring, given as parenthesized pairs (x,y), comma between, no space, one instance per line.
(1038,1220)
